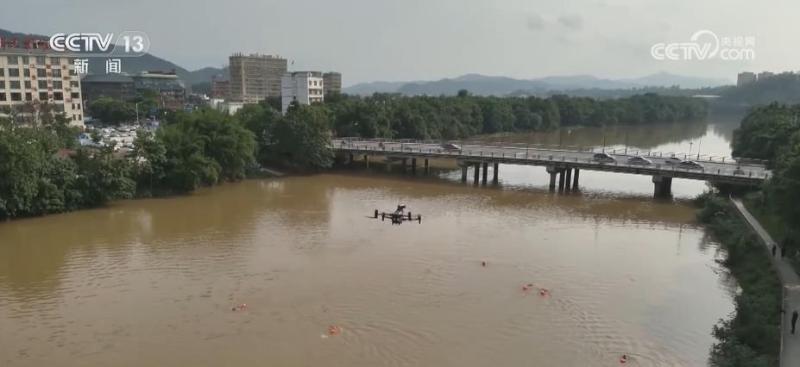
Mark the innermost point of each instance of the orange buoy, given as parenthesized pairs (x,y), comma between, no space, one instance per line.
(334,330)
(623,359)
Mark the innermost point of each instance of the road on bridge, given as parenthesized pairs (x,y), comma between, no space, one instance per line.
(715,167)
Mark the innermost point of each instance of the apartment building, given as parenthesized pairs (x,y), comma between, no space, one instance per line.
(35,76)
(305,87)
(255,77)
(333,82)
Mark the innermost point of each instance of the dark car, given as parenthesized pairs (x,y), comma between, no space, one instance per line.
(672,160)
(603,158)
(690,165)
(451,147)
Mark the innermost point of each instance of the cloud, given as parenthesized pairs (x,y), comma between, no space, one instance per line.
(535,22)
(574,21)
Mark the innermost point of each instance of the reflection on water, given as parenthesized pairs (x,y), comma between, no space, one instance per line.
(152,282)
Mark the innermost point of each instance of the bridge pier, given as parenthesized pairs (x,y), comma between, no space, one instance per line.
(464,172)
(553,171)
(495,172)
(405,164)
(388,165)
(662,187)
(413,166)
(427,167)
(569,179)
(485,171)
(366,161)
(561,178)
(477,173)
(575,179)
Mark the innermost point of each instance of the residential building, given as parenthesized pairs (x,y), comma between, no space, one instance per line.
(764,75)
(220,88)
(333,82)
(305,87)
(255,77)
(32,76)
(745,78)
(170,90)
(116,86)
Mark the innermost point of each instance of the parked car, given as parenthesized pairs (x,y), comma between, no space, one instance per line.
(451,147)
(738,171)
(603,158)
(639,161)
(672,160)
(690,165)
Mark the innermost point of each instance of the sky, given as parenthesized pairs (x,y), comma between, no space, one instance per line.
(405,40)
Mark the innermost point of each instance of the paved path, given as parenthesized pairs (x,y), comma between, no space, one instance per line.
(790,344)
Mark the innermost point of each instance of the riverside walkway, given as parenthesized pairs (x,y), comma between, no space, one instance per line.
(790,344)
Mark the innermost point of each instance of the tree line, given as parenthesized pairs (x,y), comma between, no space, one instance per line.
(43,171)
(464,115)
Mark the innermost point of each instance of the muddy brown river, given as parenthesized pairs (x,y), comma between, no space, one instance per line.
(153,282)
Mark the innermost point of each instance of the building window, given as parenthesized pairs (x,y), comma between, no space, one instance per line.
(13,84)
(13,72)
(16,97)
(57,84)
(55,60)
(27,84)
(73,84)
(43,84)
(56,73)
(25,60)
(78,106)
(13,60)
(28,97)
(2,72)
(42,96)
(26,72)
(40,60)
(58,96)
(3,97)
(2,84)
(75,95)
(42,73)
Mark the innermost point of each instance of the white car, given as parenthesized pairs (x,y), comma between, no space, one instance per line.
(639,161)
(603,158)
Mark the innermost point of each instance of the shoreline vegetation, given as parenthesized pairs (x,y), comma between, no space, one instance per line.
(751,336)
(44,171)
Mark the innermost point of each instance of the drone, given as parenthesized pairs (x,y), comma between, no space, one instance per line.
(398,216)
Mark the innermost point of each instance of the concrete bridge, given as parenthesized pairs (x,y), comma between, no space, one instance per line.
(563,165)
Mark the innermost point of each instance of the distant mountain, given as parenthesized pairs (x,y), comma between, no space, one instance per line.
(373,87)
(498,85)
(204,75)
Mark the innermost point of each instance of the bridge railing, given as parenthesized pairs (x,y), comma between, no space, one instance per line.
(629,152)
(554,156)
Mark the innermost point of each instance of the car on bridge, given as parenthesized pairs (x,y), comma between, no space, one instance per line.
(639,161)
(450,147)
(673,160)
(603,158)
(690,165)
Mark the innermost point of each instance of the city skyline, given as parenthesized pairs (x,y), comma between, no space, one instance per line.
(413,40)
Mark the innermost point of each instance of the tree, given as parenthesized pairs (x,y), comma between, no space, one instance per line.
(112,111)
(302,139)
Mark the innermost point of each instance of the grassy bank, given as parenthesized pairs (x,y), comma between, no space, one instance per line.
(751,336)
(775,225)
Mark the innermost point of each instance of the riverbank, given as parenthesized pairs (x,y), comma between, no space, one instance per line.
(751,337)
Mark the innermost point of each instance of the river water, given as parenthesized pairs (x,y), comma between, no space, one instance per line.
(153,282)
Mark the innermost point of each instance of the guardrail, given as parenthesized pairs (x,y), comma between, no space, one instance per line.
(567,148)
(727,170)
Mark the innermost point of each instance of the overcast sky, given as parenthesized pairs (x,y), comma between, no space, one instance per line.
(398,40)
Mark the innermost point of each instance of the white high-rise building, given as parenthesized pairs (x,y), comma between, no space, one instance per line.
(305,87)
(35,76)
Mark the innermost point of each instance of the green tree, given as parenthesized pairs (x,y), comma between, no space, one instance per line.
(303,139)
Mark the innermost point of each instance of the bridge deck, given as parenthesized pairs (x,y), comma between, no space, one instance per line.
(714,171)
